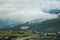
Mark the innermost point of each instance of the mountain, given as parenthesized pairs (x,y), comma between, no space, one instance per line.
(6,24)
(52,11)
(52,25)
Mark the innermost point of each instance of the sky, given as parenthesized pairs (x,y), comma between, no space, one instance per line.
(27,10)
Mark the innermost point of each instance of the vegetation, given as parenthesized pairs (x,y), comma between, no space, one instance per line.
(8,34)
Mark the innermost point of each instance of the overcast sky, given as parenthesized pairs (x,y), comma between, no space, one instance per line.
(26,10)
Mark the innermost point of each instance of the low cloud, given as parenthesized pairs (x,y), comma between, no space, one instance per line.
(26,10)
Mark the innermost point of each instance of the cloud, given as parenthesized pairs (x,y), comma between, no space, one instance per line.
(26,10)
(28,15)
(52,5)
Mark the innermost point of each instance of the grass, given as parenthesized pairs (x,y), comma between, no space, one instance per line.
(6,34)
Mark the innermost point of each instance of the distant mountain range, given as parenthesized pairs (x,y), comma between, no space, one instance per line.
(8,24)
(52,25)
(52,11)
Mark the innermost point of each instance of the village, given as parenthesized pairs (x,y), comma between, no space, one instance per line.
(32,36)
(26,34)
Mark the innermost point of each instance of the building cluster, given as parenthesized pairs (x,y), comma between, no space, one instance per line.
(45,36)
